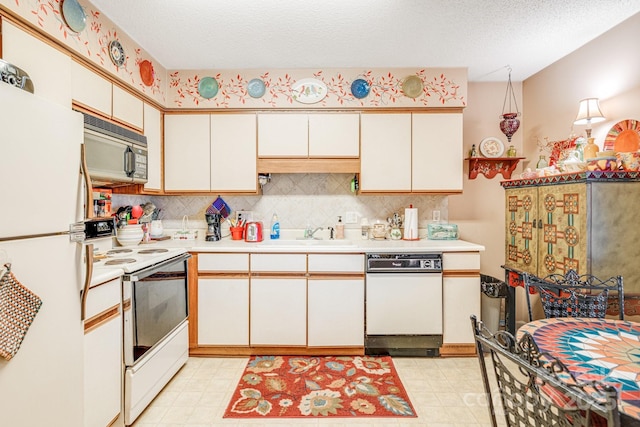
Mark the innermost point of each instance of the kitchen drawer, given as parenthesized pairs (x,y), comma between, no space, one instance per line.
(330,263)
(223,262)
(278,263)
(102,297)
(461,261)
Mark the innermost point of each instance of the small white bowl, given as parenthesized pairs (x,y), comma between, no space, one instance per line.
(129,235)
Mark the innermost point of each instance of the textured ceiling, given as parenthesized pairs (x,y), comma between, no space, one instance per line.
(483,35)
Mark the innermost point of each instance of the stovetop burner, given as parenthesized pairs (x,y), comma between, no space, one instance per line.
(119,261)
(119,251)
(153,251)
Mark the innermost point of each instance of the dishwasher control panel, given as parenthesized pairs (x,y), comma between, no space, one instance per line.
(430,262)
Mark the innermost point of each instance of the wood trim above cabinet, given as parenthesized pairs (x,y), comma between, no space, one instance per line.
(307,165)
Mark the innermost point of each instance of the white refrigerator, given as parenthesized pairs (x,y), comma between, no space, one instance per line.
(42,385)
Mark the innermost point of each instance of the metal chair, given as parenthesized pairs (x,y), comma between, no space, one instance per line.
(571,295)
(536,389)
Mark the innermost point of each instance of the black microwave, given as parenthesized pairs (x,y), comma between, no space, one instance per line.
(113,154)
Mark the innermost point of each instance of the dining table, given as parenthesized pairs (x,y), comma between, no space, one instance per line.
(605,350)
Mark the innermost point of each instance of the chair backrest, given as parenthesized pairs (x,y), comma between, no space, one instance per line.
(536,389)
(572,295)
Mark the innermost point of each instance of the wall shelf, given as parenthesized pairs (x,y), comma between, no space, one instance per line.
(491,166)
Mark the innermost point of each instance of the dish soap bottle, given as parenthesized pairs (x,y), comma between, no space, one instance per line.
(339,229)
(275,227)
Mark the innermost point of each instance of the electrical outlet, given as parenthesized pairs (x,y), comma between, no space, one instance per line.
(436,216)
(351,218)
(244,216)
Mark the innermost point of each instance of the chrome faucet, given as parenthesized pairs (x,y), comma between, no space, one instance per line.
(309,232)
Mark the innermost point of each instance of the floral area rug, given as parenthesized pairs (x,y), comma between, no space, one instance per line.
(299,386)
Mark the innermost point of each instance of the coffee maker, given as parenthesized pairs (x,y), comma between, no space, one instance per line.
(213,227)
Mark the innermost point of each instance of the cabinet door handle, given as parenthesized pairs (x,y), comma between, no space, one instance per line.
(540,224)
(534,224)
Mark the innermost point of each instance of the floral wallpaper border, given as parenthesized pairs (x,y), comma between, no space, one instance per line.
(93,42)
(442,87)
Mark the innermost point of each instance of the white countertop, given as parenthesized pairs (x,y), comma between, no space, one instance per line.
(288,243)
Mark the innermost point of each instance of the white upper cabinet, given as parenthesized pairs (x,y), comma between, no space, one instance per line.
(153,132)
(318,135)
(282,135)
(127,108)
(334,135)
(93,92)
(385,158)
(437,158)
(233,152)
(48,68)
(90,90)
(186,152)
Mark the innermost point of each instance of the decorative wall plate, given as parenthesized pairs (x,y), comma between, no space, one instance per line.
(116,53)
(256,88)
(147,74)
(412,86)
(308,91)
(360,88)
(624,136)
(491,147)
(74,15)
(208,87)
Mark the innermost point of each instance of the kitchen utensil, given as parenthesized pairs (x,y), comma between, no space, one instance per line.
(136,211)
(253,232)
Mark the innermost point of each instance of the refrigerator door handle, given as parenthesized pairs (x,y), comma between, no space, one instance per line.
(88,250)
(88,188)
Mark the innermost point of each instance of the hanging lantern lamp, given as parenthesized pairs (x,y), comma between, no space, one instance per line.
(510,123)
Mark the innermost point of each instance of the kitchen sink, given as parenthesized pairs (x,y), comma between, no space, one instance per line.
(308,242)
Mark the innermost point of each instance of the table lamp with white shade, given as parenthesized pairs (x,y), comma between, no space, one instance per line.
(588,113)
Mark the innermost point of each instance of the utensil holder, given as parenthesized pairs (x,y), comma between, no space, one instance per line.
(237,233)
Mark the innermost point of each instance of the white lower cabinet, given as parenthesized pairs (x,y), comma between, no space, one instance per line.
(223,311)
(336,312)
(278,311)
(223,299)
(103,355)
(460,296)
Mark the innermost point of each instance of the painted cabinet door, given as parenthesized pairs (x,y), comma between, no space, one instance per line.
(336,312)
(562,240)
(90,90)
(283,135)
(334,135)
(460,299)
(127,108)
(385,158)
(546,229)
(278,311)
(103,355)
(186,152)
(223,311)
(436,157)
(233,152)
(522,229)
(153,132)
(48,68)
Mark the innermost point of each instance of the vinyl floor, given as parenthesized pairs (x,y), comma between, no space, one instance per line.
(445,392)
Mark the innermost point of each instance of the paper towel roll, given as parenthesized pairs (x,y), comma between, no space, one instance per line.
(411,224)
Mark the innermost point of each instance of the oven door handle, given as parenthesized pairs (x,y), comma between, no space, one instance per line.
(146,272)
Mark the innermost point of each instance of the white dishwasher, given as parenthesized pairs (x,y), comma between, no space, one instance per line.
(403,304)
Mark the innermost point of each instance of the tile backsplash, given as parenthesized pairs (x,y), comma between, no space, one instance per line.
(299,200)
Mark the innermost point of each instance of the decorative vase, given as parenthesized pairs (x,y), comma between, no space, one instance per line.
(511,152)
(509,124)
(590,151)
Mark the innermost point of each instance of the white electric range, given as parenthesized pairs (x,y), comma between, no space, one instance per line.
(155,318)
